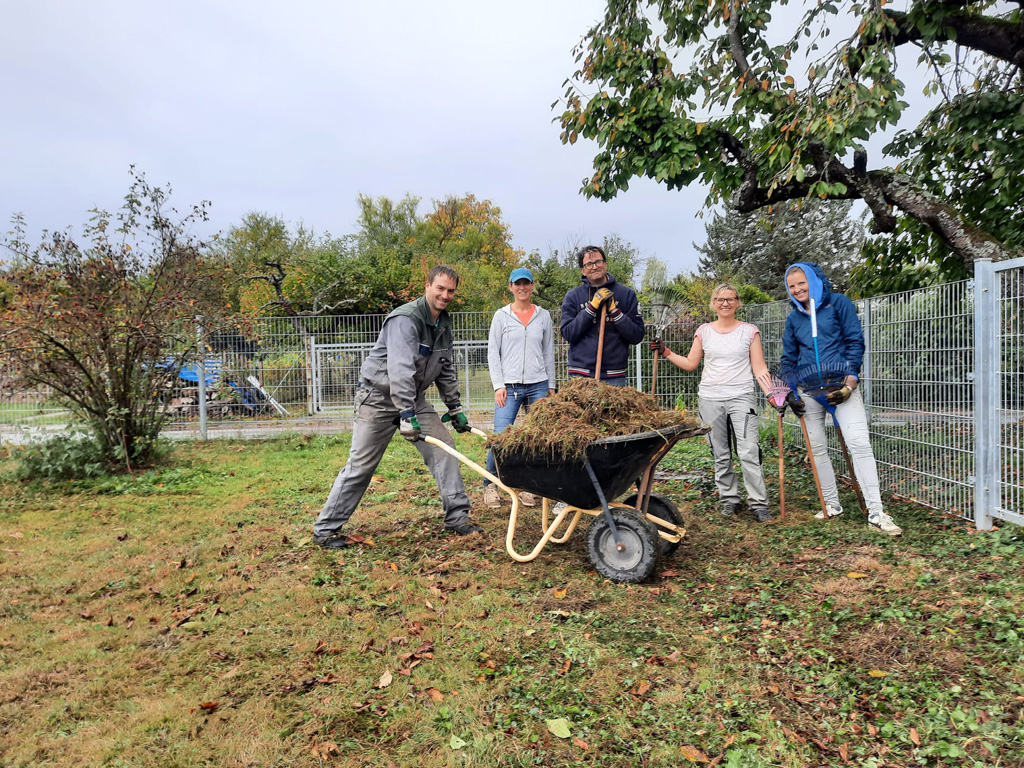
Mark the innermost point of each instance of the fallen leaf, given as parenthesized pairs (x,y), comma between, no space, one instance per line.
(385,680)
(560,593)
(641,687)
(577,742)
(325,750)
(455,742)
(857,575)
(435,695)
(669,574)
(85,615)
(914,737)
(844,752)
(559,727)
(872,731)
(210,706)
(693,754)
(878,673)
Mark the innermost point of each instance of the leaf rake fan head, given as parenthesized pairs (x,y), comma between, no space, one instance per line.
(816,380)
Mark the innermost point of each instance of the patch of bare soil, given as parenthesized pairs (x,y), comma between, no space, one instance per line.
(564,424)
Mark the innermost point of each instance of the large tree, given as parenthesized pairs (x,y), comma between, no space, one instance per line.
(755,248)
(684,91)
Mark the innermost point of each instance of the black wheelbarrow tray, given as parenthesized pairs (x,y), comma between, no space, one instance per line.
(627,539)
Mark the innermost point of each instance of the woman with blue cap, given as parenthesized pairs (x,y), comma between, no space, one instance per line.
(822,354)
(521,361)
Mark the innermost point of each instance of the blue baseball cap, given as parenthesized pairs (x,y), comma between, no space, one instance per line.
(520,274)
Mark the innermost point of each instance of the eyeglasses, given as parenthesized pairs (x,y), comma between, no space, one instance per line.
(594,263)
(732,300)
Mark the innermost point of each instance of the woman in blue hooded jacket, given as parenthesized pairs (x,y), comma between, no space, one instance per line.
(823,340)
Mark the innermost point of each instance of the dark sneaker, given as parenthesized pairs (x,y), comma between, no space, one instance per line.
(730,509)
(465,528)
(331,541)
(762,514)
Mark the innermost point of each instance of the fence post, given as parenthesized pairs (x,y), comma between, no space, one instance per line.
(865,371)
(201,377)
(986,394)
(639,366)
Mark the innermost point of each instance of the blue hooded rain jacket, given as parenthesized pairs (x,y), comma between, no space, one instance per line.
(840,336)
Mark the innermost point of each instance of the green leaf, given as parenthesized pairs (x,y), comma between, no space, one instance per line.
(455,742)
(559,727)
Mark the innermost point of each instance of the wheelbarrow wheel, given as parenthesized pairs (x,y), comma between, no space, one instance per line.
(665,508)
(642,551)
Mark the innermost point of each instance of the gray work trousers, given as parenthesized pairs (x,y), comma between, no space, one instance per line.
(853,421)
(375,423)
(736,417)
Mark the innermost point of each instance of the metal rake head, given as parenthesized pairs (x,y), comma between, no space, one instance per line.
(816,380)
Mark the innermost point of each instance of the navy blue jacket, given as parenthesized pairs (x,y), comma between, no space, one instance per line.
(840,337)
(580,329)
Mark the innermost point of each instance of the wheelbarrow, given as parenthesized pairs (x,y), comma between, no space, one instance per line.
(627,539)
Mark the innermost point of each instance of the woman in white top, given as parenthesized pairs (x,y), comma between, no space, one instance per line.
(521,363)
(732,359)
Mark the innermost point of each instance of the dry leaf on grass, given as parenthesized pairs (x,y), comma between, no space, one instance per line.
(385,680)
(435,695)
(693,754)
(914,737)
(856,575)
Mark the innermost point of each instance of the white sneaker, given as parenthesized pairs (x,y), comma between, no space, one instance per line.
(492,496)
(882,522)
(833,511)
(528,499)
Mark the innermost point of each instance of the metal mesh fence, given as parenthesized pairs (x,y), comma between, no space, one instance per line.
(300,374)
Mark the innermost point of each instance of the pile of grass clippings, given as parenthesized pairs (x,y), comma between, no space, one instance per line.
(564,424)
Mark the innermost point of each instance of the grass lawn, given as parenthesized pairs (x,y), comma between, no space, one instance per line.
(184,618)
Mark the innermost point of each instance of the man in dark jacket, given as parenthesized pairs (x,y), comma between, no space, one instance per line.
(413,351)
(581,312)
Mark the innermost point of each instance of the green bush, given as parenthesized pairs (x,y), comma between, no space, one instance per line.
(75,456)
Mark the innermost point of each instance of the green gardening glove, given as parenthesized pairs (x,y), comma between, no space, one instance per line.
(458,419)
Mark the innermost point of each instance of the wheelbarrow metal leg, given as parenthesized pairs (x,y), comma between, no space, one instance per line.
(604,505)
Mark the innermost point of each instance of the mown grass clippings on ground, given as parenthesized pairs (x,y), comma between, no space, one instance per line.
(190,622)
(563,425)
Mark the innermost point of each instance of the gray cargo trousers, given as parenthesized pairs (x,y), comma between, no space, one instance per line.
(738,416)
(375,423)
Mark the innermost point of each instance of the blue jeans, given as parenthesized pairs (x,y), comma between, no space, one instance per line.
(517,395)
(618,381)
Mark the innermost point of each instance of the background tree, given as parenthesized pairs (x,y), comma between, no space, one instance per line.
(756,248)
(107,325)
(684,91)
(470,235)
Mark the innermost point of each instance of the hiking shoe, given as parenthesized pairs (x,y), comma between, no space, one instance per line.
(729,509)
(882,522)
(492,496)
(762,514)
(833,511)
(466,528)
(528,499)
(335,540)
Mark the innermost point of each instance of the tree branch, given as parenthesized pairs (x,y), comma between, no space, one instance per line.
(997,37)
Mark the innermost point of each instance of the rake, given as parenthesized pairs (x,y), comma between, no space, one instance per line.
(818,381)
(777,390)
(666,308)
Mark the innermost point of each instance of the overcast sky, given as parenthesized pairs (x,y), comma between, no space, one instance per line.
(294,108)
